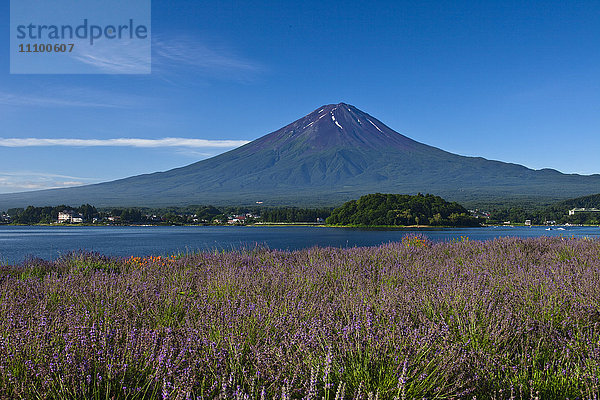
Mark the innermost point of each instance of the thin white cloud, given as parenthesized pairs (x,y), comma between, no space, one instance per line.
(126,58)
(122,142)
(71,183)
(10,99)
(197,154)
(211,60)
(11,174)
(28,185)
(71,97)
(25,180)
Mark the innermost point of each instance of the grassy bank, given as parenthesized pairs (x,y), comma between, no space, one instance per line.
(496,319)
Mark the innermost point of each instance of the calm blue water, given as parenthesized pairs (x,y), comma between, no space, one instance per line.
(19,242)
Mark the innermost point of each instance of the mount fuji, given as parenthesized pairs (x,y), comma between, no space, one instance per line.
(331,155)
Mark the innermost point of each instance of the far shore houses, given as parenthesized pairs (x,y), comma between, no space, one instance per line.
(69,216)
(241,219)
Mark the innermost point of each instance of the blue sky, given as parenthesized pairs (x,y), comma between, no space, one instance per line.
(516,81)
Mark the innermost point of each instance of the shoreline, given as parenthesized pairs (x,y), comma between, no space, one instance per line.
(310,224)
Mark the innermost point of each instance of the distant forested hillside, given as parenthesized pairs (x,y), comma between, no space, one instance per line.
(558,212)
(591,201)
(401,210)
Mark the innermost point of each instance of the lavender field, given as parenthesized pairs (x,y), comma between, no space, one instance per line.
(504,319)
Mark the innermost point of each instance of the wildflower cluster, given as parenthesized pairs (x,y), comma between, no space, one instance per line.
(415,241)
(463,239)
(142,262)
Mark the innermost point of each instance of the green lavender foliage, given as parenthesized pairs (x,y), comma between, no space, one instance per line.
(502,319)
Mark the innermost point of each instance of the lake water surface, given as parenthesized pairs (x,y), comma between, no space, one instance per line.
(17,243)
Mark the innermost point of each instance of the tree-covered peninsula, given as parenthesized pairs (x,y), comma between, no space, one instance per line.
(401,210)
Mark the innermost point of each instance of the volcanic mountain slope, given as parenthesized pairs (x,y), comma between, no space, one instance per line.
(333,154)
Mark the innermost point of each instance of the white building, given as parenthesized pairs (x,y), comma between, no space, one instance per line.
(65,216)
(583,210)
(69,216)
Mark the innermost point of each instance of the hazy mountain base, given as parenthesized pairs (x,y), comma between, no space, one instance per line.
(284,197)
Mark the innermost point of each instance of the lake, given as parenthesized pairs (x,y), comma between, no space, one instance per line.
(17,243)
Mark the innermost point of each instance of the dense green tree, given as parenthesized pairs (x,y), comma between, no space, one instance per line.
(207,213)
(397,209)
(88,212)
(132,215)
(14,212)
